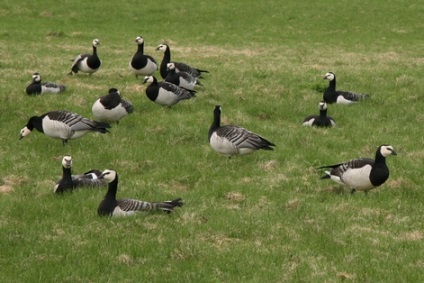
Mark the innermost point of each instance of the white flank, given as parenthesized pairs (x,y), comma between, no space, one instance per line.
(358,178)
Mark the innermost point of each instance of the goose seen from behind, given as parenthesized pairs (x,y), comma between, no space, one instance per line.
(111,107)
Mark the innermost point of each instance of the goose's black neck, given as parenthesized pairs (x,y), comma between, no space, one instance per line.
(216,121)
(94,50)
(112,188)
(35,122)
(166,59)
(140,48)
(323,113)
(332,85)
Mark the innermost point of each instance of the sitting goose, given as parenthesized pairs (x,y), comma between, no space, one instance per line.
(165,93)
(70,182)
(181,79)
(38,87)
(141,64)
(111,107)
(64,125)
(87,63)
(110,206)
(362,174)
(234,140)
(179,67)
(321,120)
(331,95)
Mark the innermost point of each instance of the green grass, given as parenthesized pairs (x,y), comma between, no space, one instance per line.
(265,217)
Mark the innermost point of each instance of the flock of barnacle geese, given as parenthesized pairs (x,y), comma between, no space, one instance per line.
(179,83)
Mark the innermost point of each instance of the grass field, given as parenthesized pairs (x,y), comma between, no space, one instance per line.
(265,217)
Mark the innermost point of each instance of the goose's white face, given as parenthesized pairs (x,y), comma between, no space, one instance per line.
(108,175)
(96,42)
(139,40)
(329,76)
(148,79)
(162,47)
(322,105)
(170,66)
(67,161)
(387,150)
(36,77)
(24,132)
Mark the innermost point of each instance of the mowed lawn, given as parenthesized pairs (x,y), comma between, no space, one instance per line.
(264,217)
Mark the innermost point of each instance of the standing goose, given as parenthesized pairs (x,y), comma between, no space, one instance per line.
(321,120)
(70,182)
(110,206)
(38,87)
(234,140)
(362,174)
(331,95)
(181,79)
(63,125)
(111,107)
(179,67)
(165,93)
(87,63)
(141,64)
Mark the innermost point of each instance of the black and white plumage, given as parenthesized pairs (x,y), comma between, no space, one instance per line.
(64,125)
(181,79)
(233,140)
(110,206)
(70,182)
(38,87)
(111,107)
(321,120)
(179,67)
(87,63)
(331,95)
(142,64)
(362,174)
(165,93)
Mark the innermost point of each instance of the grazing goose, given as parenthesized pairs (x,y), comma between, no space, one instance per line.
(321,120)
(63,125)
(362,173)
(179,67)
(141,64)
(234,140)
(181,79)
(70,182)
(110,206)
(87,63)
(38,87)
(111,107)
(165,93)
(331,95)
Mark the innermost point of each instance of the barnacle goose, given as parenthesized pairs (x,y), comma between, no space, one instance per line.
(181,79)
(234,140)
(331,95)
(38,87)
(111,107)
(179,67)
(321,120)
(110,206)
(70,182)
(165,93)
(64,125)
(141,64)
(87,63)
(362,174)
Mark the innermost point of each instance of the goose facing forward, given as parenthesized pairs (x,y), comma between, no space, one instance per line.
(70,182)
(165,93)
(142,64)
(87,63)
(179,67)
(63,125)
(362,174)
(110,206)
(38,87)
(321,120)
(111,107)
(331,95)
(233,140)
